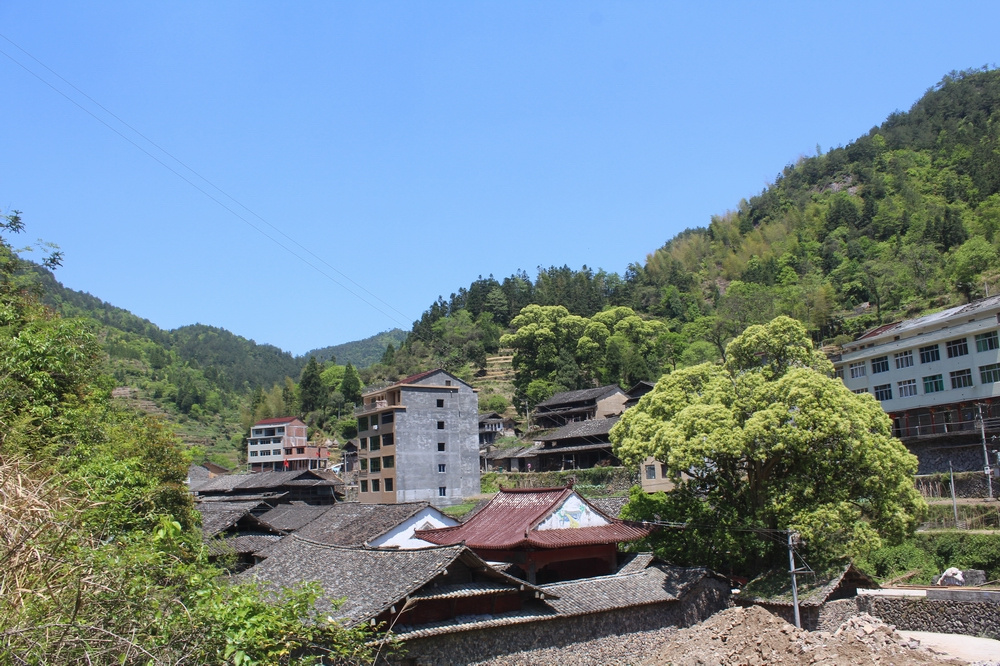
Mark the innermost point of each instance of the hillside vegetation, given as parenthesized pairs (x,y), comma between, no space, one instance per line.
(902,220)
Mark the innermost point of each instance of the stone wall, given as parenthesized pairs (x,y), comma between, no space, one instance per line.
(949,616)
(703,600)
(933,456)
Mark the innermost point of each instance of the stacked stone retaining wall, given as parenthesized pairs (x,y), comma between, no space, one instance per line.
(948,616)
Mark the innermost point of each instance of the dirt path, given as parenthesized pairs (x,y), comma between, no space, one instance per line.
(970,648)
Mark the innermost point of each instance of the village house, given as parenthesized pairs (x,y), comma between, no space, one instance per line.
(281,444)
(550,534)
(595,403)
(418,440)
(309,486)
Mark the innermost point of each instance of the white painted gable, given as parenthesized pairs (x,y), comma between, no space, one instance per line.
(572,513)
(401,536)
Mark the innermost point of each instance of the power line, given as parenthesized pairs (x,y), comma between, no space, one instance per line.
(197,187)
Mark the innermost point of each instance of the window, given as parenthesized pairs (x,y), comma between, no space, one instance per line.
(857,369)
(363,445)
(958,347)
(388,462)
(388,485)
(839,373)
(362,423)
(387,439)
(442,491)
(364,486)
(961,378)
(907,388)
(880,364)
(440,425)
(276,452)
(288,452)
(650,471)
(933,384)
(375,465)
(883,392)
(903,359)
(447,382)
(387,417)
(375,485)
(989,374)
(253,454)
(300,449)
(860,391)
(364,464)
(987,341)
(440,446)
(930,354)
(440,403)
(663,471)
(281,431)
(373,444)
(441,467)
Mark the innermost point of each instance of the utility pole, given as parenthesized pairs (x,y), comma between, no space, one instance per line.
(792,539)
(986,454)
(954,502)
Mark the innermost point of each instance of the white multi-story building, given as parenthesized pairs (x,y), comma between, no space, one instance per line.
(933,375)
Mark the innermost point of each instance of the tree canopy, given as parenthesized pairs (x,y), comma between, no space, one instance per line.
(770,440)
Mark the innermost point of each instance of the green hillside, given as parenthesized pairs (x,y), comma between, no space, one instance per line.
(360,353)
(902,220)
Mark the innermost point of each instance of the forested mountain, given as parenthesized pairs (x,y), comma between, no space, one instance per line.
(901,220)
(360,353)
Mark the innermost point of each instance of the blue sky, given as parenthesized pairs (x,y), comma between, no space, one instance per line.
(392,152)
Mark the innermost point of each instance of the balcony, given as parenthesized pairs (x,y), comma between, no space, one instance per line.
(373,407)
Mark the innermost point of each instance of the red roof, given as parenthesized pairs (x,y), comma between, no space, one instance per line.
(510,520)
(417,377)
(276,421)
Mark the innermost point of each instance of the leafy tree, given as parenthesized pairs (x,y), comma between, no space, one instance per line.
(312,391)
(350,386)
(769,440)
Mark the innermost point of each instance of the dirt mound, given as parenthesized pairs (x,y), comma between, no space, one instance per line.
(754,636)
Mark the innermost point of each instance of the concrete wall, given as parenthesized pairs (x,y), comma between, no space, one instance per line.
(704,599)
(417,438)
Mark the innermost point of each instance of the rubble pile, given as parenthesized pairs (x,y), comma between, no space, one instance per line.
(754,636)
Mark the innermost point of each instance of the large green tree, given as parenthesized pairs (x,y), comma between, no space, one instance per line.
(769,441)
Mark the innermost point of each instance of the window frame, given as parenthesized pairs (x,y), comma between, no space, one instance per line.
(880,365)
(907,388)
(957,347)
(930,353)
(961,378)
(933,383)
(882,392)
(987,341)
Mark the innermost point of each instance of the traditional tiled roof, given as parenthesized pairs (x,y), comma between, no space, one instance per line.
(290,517)
(582,395)
(243,544)
(354,524)
(775,587)
(219,516)
(577,429)
(654,584)
(610,506)
(266,480)
(371,580)
(510,519)
(633,562)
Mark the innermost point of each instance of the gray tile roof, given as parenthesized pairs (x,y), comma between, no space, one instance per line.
(354,524)
(654,584)
(243,544)
(265,481)
(612,506)
(291,517)
(660,583)
(582,395)
(590,428)
(370,580)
